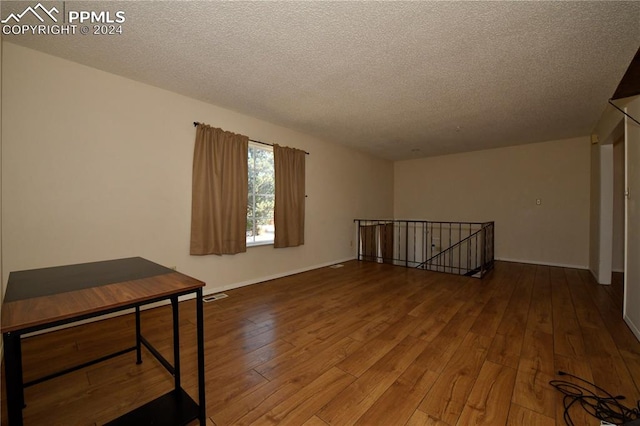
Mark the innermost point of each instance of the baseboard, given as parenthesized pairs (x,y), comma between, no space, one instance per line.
(534,262)
(632,326)
(190,296)
(273,277)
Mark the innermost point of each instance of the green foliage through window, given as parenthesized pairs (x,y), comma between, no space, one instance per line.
(261,196)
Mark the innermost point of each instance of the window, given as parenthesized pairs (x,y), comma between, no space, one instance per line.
(261,197)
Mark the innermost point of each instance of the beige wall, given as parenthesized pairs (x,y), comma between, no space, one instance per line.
(96,166)
(2,280)
(611,125)
(605,131)
(594,215)
(617,263)
(632,248)
(502,185)
(605,213)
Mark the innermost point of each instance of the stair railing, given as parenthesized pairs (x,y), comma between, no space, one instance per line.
(463,248)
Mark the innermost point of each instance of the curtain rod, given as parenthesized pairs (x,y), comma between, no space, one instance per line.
(195,124)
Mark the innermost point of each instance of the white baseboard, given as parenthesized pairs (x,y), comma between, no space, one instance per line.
(273,277)
(189,296)
(632,326)
(535,262)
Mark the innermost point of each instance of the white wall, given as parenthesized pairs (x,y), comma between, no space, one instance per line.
(611,123)
(96,166)
(605,227)
(606,252)
(2,280)
(502,185)
(603,246)
(594,212)
(632,248)
(618,206)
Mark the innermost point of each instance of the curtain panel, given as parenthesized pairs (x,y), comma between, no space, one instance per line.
(289,165)
(219,192)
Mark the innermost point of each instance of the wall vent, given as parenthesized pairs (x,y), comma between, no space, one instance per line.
(215,297)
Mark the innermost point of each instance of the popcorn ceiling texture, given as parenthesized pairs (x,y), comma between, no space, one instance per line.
(396,79)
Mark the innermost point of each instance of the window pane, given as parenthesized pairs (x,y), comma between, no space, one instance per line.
(250,229)
(260,197)
(250,206)
(264,206)
(265,230)
(265,184)
(250,181)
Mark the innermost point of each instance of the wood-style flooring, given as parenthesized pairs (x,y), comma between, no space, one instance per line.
(365,344)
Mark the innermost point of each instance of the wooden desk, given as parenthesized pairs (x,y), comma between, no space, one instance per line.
(43,298)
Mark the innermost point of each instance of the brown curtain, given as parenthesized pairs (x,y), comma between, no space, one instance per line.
(219,200)
(290,193)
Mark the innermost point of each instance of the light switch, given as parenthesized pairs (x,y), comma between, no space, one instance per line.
(538,201)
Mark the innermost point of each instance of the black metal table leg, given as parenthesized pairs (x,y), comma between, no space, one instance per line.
(138,337)
(200,332)
(176,342)
(13,378)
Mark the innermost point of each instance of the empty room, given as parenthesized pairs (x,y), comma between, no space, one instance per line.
(320,213)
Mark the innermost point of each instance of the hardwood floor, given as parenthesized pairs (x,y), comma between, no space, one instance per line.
(366,344)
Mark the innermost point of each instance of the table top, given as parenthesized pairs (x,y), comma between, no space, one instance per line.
(44,296)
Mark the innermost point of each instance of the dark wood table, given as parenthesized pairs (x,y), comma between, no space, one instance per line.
(43,298)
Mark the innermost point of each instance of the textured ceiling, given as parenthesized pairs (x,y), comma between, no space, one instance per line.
(396,79)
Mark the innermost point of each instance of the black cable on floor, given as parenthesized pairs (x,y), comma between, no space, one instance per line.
(607,407)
